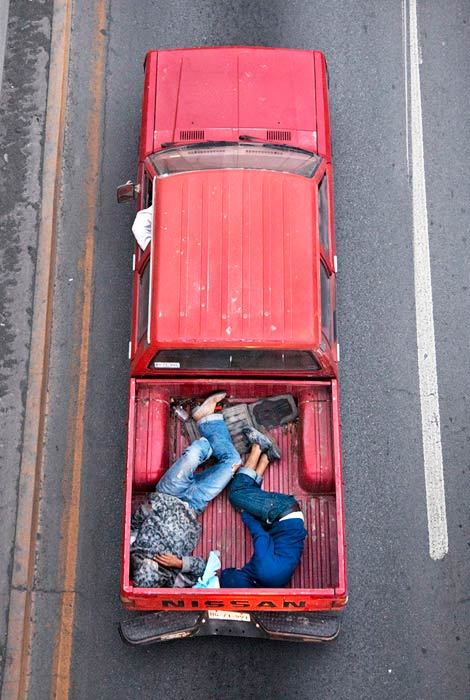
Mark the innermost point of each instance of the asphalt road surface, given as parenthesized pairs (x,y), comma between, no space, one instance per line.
(406,628)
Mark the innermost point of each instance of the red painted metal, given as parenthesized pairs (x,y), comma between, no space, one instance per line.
(235,264)
(341,589)
(148,105)
(128,488)
(151,437)
(232,91)
(316,442)
(322,108)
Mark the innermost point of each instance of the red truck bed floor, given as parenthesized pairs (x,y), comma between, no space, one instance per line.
(160,439)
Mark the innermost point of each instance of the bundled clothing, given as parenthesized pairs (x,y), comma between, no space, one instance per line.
(276,525)
(165,524)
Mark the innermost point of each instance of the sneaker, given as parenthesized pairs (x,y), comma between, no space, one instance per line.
(266,443)
(208,406)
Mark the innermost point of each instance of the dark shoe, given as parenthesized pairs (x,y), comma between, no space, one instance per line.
(208,406)
(267,444)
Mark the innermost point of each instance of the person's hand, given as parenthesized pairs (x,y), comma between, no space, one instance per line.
(169,560)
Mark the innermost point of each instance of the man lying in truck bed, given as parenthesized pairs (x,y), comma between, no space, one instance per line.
(275,522)
(165,530)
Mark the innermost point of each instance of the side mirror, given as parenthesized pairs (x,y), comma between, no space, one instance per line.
(127,192)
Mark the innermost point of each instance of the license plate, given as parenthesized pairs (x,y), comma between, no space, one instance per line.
(228,615)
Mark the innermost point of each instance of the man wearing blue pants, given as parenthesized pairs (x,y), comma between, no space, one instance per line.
(165,530)
(275,522)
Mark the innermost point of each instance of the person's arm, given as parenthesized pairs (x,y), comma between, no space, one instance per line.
(262,541)
(253,524)
(142,227)
(194,566)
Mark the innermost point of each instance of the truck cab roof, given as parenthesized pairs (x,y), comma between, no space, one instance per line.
(236,261)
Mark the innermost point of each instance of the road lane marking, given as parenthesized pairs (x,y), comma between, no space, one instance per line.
(75,437)
(21,607)
(427,369)
(404,14)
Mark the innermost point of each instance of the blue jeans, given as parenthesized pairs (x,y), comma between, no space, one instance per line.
(197,490)
(245,493)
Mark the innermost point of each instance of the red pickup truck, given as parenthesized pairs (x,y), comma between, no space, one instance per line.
(236,292)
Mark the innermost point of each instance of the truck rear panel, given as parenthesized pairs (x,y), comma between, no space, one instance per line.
(310,469)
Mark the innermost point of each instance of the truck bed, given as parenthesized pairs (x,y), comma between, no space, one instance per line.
(306,470)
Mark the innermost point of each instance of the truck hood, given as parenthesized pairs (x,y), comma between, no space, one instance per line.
(222,93)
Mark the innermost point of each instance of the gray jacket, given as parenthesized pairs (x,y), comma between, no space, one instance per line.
(164,525)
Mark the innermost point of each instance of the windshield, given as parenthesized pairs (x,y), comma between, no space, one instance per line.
(227,155)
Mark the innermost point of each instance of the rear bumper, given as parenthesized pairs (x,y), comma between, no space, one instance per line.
(150,628)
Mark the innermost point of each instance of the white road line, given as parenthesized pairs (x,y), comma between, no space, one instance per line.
(404,12)
(429,396)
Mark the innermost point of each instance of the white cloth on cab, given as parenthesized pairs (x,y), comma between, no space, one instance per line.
(142,227)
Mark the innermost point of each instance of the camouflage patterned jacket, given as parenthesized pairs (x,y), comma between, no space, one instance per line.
(164,525)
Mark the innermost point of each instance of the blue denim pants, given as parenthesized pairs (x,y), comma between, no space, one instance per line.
(245,493)
(197,490)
